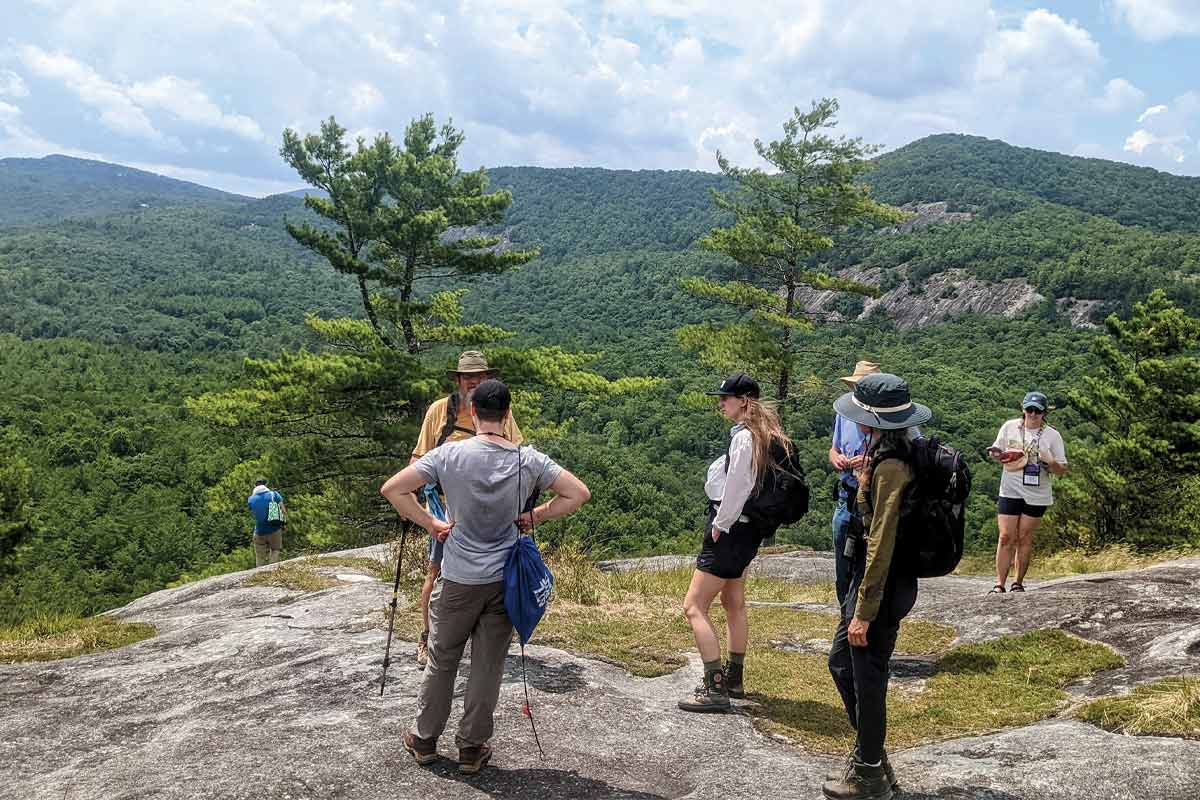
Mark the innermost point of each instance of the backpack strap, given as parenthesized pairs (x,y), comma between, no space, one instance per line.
(451,423)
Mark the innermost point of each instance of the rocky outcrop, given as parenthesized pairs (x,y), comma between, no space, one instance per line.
(922,215)
(942,296)
(937,298)
(254,692)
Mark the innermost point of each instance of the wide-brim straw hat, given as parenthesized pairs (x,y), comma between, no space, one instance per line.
(882,400)
(472,362)
(861,370)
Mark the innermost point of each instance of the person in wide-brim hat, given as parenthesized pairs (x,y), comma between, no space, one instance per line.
(882,401)
(472,362)
(879,595)
(861,370)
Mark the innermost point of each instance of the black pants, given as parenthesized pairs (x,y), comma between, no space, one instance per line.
(861,673)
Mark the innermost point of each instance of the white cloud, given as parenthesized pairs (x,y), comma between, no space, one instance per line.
(12,85)
(1119,95)
(1156,20)
(187,101)
(1166,132)
(1045,49)
(117,111)
(1150,112)
(618,83)
(365,98)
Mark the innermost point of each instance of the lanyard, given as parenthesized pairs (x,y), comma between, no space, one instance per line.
(1036,439)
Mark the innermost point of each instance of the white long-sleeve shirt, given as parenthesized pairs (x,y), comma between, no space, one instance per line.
(733,488)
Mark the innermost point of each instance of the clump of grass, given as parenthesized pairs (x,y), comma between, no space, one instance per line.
(51,638)
(1076,561)
(1170,707)
(578,580)
(375,567)
(635,620)
(298,576)
(1006,682)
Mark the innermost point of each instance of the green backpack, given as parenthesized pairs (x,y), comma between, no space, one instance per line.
(275,512)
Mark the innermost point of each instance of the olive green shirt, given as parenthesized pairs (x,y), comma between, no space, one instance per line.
(880,504)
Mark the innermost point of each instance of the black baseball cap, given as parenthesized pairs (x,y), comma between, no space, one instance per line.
(260,481)
(739,385)
(492,395)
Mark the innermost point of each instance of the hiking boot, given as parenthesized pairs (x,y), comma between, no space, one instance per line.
(734,680)
(710,697)
(889,773)
(473,759)
(423,649)
(859,782)
(424,751)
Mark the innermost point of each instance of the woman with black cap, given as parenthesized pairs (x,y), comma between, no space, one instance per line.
(730,540)
(879,596)
(1029,451)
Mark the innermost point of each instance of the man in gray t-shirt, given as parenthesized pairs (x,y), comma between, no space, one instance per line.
(484,495)
(488,482)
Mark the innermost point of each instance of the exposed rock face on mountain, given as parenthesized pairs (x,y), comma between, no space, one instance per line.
(254,692)
(942,296)
(925,214)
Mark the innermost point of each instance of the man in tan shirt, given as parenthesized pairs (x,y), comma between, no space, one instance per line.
(449,420)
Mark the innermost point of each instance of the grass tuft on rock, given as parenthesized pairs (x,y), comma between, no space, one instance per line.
(52,638)
(306,575)
(1076,561)
(1169,707)
(635,620)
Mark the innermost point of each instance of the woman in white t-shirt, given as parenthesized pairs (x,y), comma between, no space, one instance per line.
(1030,451)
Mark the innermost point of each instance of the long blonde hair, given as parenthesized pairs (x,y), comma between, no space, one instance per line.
(762,420)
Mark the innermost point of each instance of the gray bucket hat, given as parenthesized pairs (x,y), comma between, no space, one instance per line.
(881,400)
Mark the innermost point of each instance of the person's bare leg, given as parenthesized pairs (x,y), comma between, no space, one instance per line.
(1029,526)
(1006,545)
(700,594)
(737,623)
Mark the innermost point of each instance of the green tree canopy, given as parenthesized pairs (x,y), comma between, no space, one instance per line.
(1138,483)
(781,220)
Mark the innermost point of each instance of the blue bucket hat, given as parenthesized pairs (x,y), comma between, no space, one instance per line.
(882,400)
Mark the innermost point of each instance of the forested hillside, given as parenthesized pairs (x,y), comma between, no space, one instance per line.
(55,187)
(123,294)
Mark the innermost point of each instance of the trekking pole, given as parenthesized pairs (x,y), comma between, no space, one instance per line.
(392,617)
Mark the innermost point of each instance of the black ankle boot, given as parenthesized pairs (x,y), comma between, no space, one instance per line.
(711,697)
(860,782)
(734,680)
(837,774)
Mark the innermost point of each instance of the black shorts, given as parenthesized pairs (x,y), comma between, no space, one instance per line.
(729,556)
(1016,507)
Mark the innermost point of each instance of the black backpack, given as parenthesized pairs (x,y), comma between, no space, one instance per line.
(783,498)
(929,542)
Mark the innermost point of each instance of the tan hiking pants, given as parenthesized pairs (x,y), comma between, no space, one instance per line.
(267,547)
(458,612)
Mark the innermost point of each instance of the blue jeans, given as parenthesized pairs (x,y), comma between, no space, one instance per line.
(843,522)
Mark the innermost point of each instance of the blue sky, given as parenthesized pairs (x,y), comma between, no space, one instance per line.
(202,91)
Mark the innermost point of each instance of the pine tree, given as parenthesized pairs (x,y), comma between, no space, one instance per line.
(337,421)
(400,214)
(781,220)
(1138,483)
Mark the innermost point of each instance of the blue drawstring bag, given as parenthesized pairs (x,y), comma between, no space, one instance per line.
(527,585)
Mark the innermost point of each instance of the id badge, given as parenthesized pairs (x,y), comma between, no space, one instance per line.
(1032,474)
